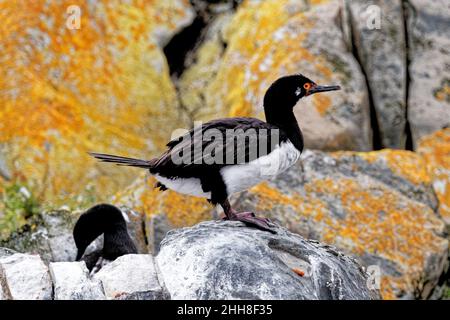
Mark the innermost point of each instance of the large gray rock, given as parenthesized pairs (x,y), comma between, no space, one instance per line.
(378,206)
(382,53)
(429,93)
(226,260)
(24,277)
(337,121)
(71,282)
(131,276)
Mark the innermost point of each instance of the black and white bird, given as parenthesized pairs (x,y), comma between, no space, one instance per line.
(110,221)
(225,156)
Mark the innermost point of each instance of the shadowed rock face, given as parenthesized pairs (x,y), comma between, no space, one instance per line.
(382,54)
(226,260)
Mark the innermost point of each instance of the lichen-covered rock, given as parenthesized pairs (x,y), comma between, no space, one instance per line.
(382,53)
(429,92)
(71,282)
(131,276)
(226,260)
(379,206)
(66,91)
(24,277)
(32,238)
(435,149)
(268,39)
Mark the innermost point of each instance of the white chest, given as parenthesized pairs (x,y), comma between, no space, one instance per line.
(241,177)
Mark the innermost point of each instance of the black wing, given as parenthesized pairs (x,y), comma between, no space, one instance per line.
(216,144)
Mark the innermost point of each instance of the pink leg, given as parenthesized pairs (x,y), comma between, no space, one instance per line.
(249,218)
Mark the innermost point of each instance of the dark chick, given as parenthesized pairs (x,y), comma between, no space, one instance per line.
(107,220)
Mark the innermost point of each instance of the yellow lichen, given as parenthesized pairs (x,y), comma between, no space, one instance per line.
(66,92)
(406,164)
(377,221)
(322,103)
(435,149)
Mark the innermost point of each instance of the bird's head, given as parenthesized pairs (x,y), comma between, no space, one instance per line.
(94,222)
(286,91)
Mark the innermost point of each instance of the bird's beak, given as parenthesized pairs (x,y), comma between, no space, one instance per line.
(317,89)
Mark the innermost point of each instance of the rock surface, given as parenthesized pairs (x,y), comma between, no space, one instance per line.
(212,260)
(93,88)
(71,282)
(435,149)
(268,39)
(379,206)
(429,92)
(385,207)
(131,277)
(226,260)
(24,277)
(381,50)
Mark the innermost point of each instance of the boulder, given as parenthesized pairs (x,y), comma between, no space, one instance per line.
(226,260)
(265,40)
(429,90)
(379,206)
(24,277)
(381,50)
(131,277)
(71,282)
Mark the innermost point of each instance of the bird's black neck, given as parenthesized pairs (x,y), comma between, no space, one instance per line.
(286,121)
(117,242)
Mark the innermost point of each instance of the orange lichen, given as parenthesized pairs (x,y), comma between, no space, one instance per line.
(435,149)
(263,44)
(65,92)
(377,221)
(322,103)
(406,164)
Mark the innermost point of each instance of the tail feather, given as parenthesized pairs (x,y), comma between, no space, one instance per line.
(122,161)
